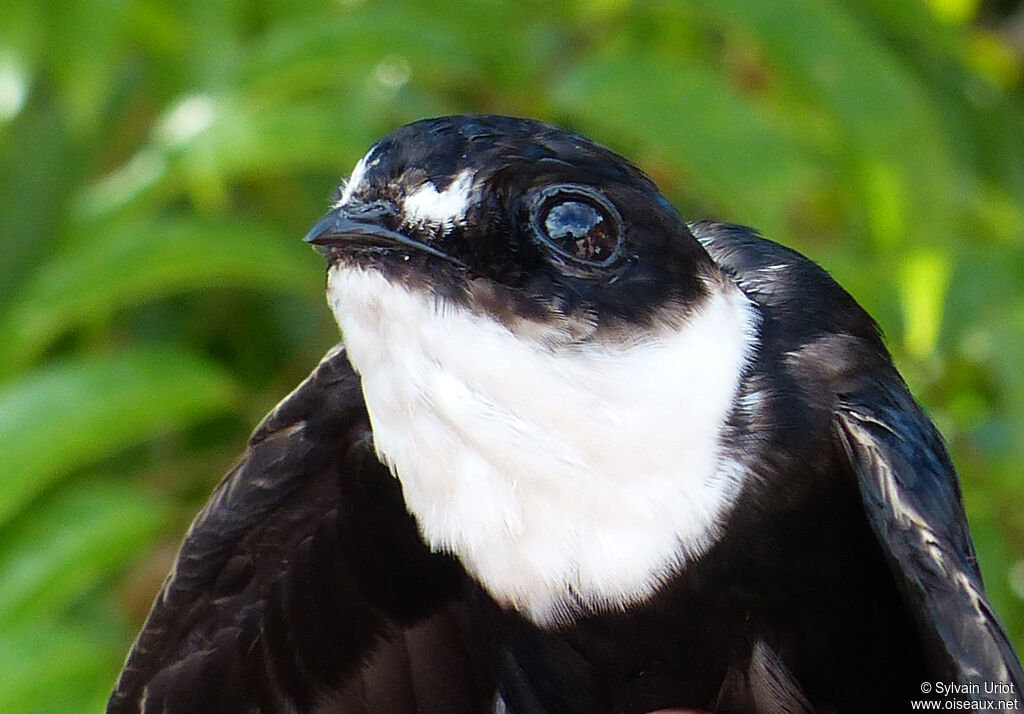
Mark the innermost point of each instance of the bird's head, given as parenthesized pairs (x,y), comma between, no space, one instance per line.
(534,325)
(519,220)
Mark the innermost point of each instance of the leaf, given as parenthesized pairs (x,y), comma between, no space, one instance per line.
(74,412)
(84,62)
(924,282)
(447,44)
(57,667)
(204,142)
(142,262)
(72,540)
(33,193)
(706,133)
(884,109)
(309,89)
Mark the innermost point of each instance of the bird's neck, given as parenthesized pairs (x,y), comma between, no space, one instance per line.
(566,480)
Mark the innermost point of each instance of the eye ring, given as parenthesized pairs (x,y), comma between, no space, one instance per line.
(592,241)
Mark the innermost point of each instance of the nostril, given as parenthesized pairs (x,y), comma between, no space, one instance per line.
(375,210)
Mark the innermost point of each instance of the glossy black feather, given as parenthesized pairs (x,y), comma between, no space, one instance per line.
(913,503)
(302,580)
(910,496)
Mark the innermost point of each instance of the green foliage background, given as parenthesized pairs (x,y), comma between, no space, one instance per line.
(160,160)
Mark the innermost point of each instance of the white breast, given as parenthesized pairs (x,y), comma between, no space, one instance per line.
(564,479)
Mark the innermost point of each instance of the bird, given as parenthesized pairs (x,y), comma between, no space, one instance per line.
(573,454)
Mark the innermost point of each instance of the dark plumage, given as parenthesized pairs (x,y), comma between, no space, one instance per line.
(837,576)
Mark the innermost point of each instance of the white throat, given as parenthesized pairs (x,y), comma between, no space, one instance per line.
(565,479)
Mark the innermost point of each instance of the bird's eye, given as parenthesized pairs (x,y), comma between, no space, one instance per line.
(579,230)
(582,230)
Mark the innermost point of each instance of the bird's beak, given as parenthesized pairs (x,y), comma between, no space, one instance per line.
(363,227)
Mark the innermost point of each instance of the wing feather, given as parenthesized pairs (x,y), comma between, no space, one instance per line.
(296,583)
(834,353)
(912,500)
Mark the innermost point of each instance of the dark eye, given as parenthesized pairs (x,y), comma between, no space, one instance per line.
(582,230)
(579,229)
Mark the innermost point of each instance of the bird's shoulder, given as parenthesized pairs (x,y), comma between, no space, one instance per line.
(812,329)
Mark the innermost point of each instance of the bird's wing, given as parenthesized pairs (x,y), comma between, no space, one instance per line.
(912,501)
(907,483)
(302,585)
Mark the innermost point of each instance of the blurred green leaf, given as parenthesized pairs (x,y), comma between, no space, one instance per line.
(34,195)
(887,115)
(138,263)
(204,142)
(704,132)
(56,666)
(84,62)
(73,412)
(76,538)
(924,281)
